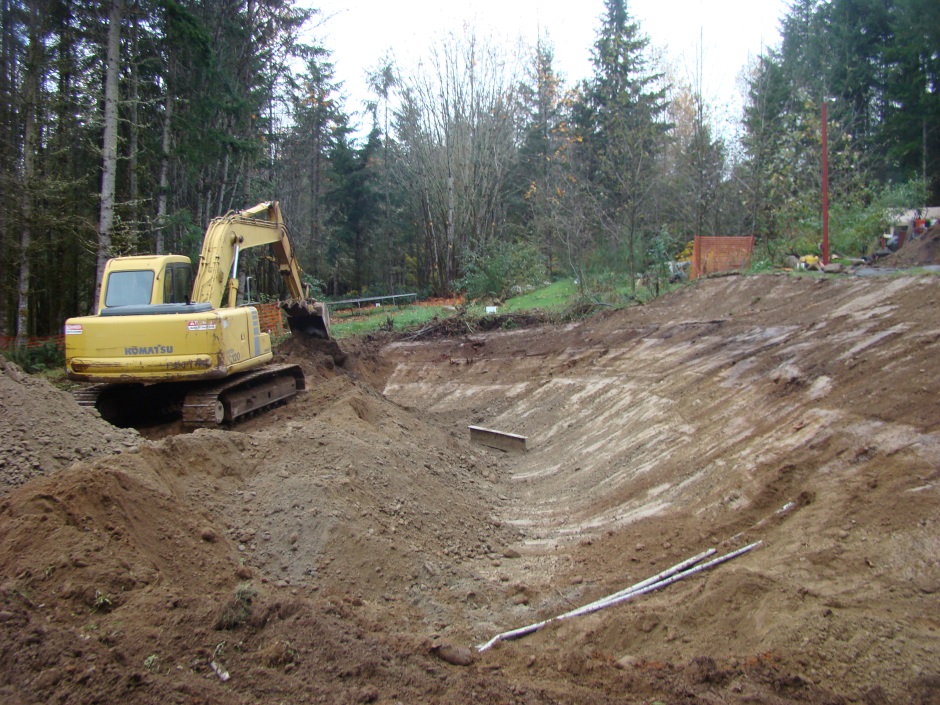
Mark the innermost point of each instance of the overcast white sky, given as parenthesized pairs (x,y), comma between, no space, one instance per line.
(359,32)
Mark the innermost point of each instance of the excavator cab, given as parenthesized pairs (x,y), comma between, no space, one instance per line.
(146,280)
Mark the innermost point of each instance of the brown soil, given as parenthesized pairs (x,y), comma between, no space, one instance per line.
(925,250)
(351,545)
(43,430)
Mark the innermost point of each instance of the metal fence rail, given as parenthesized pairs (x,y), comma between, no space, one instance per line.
(357,303)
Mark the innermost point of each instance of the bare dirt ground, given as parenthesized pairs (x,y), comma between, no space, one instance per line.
(336,549)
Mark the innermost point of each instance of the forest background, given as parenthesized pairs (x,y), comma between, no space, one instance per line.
(126,125)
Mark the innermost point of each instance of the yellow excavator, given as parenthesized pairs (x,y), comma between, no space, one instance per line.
(165,341)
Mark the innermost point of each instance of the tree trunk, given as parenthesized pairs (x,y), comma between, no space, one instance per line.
(238,181)
(31,143)
(132,187)
(450,230)
(435,267)
(224,178)
(164,174)
(924,153)
(109,146)
(8,74)
(315,235)
(390,255)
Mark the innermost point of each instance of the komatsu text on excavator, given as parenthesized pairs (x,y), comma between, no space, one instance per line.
(164,340)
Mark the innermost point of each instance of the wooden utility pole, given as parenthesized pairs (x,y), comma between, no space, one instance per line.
(825,187)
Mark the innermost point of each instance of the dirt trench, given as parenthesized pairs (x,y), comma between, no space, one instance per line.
(352,545)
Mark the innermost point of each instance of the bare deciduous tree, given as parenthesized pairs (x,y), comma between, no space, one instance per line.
(459,126)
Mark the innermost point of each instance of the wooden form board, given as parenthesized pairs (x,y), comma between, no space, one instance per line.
(497,439)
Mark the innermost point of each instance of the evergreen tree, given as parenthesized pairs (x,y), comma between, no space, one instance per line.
(354,207)
(911,129)
(318,122)
(542,168)
(621,121)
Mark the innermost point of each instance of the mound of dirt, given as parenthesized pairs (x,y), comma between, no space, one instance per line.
(315,356)
(353,546)
(44,429)
(921,252)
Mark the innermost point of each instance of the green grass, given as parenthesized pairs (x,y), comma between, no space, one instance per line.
(403,318)
(554,297)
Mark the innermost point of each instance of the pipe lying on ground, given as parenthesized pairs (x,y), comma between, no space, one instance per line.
(667,577)
(675,578)
(678,568)
(523,631)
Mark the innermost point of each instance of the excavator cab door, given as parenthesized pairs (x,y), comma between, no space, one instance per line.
(177,283)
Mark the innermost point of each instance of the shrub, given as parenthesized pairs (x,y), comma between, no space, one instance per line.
(856,228)
(497,267)
(33,360)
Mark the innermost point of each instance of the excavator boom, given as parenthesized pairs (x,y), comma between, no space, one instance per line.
(216,280)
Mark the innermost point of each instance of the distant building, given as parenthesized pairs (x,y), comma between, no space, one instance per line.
(909,224)
(914,221)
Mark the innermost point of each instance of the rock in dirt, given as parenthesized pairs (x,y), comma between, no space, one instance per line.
(452,653)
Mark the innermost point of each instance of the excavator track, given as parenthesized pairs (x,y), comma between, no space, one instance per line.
(226,401)
(88,396)
(127,405)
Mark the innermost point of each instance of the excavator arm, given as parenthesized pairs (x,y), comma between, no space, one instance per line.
(227,237)
(216,280)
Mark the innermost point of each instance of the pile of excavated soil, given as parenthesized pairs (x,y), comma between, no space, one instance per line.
(44,430)
(317,357)
(353,546)
(923,251)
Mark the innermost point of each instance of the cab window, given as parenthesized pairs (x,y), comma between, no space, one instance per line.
(182,283)
(177,284)
(168,286)
(129,288)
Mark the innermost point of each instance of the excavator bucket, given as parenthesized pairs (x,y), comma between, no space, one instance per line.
(308,318)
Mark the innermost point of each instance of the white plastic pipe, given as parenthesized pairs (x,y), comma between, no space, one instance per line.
(670,580)
(667,577)
(678,568)
(522,631)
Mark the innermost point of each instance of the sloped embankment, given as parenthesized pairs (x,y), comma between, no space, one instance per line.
(801,412)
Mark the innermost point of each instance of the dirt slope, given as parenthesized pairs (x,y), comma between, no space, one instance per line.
(318,553)
(44,430)
(925,250)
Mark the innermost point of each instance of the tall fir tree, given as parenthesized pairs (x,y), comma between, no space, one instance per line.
(543,166)
(622,123)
